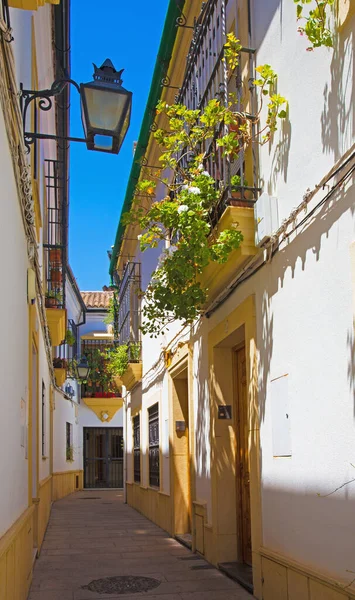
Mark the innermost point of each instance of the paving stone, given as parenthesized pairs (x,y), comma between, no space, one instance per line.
(88,541)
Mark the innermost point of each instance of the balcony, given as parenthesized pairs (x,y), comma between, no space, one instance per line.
(100,392)
(60,370)
(57,324)
(215,276)
(206,77)
(54,250)
(104,408)
(129,324)
(134,371)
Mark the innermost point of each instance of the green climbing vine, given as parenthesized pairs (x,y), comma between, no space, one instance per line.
(316,21)
(183,222)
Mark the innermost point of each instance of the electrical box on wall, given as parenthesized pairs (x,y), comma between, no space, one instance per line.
(266,216)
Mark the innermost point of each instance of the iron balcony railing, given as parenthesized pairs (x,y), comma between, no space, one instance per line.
(69,352)
(136,449)
(98,381)
(206,77)
(129,307)
(55,255)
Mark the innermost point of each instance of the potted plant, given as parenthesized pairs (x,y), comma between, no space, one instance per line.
(238,193)
(56,276)
(60,363)
(53,299)
(70,338)
(70,453)
(55,254)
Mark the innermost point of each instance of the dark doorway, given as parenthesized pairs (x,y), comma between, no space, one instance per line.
(103,457)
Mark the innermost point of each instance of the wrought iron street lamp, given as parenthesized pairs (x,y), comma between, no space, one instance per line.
(82,369)
(105,109)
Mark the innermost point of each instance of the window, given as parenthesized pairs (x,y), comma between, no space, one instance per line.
(136,449)
(154,479)
(44,429)
(69,441)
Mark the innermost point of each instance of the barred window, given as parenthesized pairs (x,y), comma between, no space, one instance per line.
(154,479)
(136,449)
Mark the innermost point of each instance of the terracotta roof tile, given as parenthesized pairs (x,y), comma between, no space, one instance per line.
(97,299)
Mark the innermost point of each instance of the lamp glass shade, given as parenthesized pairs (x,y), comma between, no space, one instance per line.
(105,109)
(83,368)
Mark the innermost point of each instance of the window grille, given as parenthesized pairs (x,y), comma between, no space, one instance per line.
(69,441)
(154,476)
(206,78)
(129,310)
(136,449)
(66,351)
(55,232)
(44,432)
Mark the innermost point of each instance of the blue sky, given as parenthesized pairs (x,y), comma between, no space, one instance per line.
(129,33)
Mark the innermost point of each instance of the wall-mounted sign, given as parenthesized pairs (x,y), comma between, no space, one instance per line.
(180,426)
(225,411)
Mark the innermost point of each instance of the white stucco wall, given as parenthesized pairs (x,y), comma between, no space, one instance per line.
(13,306)
(14,349)
(66,412)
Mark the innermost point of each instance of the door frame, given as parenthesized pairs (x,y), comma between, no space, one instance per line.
(105,458)
(182,360)
(239,474)
(222,548)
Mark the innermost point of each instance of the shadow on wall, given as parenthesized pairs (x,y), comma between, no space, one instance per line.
(338,116)
(316,531)
(202,417)
(279,165)
(265,351)
(310,237)
(351,362)
(262,25)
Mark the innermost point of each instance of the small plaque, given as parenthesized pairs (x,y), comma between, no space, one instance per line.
(225,411)
(180,425)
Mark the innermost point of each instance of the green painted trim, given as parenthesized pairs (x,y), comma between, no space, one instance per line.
(161,67)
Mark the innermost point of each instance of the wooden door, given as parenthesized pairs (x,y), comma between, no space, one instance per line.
(242,470)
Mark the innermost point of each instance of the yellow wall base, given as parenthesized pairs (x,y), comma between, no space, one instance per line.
(284,579)
(153,504)
(16,558)
(65,483)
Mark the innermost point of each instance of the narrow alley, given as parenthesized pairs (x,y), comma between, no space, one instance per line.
(96,546)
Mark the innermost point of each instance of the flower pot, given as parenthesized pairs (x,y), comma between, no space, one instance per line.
(55,255)
(56,276)
(241,199)
(51,303)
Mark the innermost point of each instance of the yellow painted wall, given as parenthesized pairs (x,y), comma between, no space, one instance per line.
(153,504)
(16,558)
(43,508)
(284,579)
(65,483)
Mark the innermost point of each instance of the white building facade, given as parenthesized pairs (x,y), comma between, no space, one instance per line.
(240,431)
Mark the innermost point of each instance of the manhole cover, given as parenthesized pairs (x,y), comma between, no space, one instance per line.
(123,584)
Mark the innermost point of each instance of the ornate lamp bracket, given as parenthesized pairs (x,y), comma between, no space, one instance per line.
(45,103)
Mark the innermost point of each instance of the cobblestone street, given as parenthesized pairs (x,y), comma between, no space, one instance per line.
(94,535)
